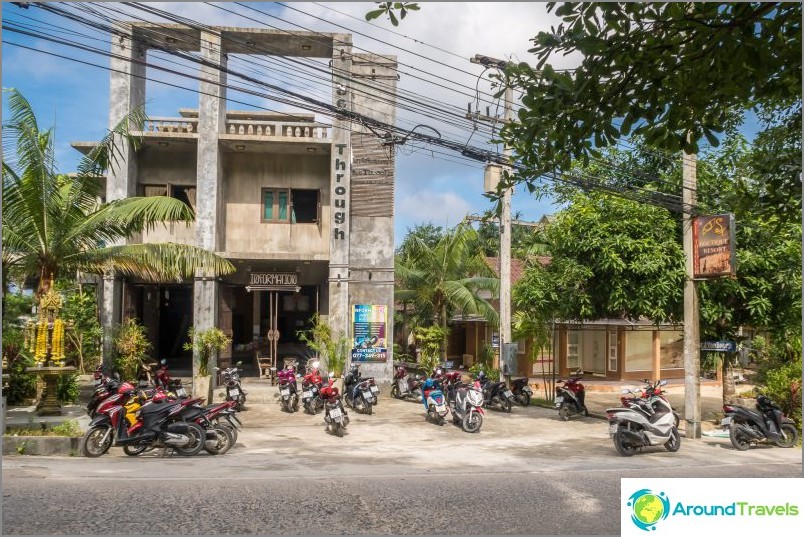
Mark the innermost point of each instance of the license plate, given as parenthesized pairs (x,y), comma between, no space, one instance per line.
(508,394)
(234,392)
(441,409)
(181,392)
(335,413)
(725,421)
(559,400)
(375,389)
(284,392)
(307,395)
(612,428)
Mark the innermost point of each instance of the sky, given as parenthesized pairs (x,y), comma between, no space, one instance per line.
(433,47)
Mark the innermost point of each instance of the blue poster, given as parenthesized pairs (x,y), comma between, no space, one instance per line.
(369,324)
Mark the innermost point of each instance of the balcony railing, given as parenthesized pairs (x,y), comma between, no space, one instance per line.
(274,129)
(171,124)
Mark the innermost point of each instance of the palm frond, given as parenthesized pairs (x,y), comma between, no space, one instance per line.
(107,152)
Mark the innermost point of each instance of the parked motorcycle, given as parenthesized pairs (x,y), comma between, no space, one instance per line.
(570,396)
(522,392)
(653,397)
(162,379)
(765,424)
(335,416)
(359,393)
(495,393)
(230,378)
(311,387)
(158,425)
(288,393)
(435,403)
(638,426)
(466,406)
(405,385)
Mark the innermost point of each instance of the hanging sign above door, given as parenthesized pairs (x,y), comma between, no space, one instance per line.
(273,281)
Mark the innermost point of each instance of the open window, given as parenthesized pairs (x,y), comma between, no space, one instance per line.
(184,193)
(294,206)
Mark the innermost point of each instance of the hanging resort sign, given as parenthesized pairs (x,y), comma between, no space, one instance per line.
(713,246)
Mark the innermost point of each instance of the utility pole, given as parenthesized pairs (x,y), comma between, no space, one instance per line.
(505,222)
(692,357)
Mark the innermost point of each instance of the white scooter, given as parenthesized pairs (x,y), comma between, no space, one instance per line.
(641,425)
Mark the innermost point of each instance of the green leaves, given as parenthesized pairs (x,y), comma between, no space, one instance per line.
(389,9)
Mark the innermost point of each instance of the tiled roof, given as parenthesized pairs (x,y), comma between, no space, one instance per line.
(517,268)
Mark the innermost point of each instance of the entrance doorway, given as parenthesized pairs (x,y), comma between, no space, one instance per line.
(175,319)
(283,314)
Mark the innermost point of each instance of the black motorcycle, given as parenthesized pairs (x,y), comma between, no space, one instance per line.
(766,423)
(496,393)
(522,392)
(230,378)
(358,392)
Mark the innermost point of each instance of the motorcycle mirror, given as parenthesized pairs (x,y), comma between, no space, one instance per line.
(163,361)
(662,383)
(116,375)
(216,368)
(315,364)
(625,390)
(238,364)
(331,375)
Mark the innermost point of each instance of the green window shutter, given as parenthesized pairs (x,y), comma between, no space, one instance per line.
(268,205)
(283,205)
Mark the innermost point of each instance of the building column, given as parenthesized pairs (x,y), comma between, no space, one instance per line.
(340,184)
(209,174)
(126,93)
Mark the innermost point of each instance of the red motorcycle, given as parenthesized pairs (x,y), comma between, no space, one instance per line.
(288,394)
(335,415)
(311,390)
(163,380)
(570,395)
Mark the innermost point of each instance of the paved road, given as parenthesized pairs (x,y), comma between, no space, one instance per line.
(394,473)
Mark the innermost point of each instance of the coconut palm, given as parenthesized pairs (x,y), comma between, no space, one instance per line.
(445,277)
(54,225)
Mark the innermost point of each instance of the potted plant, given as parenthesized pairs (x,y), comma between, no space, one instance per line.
(205,344)
(333,351)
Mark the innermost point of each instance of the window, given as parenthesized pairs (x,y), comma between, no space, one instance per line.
(295,206)
(183,193)
(573,349)
(612,350)
(639,351)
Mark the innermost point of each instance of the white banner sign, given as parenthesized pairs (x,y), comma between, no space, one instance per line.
(732,507)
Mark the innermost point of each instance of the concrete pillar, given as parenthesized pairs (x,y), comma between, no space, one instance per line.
(210,215)
(126,93)
(340,184)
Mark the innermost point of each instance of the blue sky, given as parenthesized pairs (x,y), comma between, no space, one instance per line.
(430,187)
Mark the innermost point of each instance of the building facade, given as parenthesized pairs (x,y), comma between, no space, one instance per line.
(304,210)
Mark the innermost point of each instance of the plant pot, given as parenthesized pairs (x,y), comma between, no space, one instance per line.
(202,387)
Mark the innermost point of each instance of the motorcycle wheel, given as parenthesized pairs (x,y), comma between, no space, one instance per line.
(674,443)
(623,448)
(472,422)
(295,405)
(232,429)
(337,429)
(197,440)
(92,444)
(395,392)
(524,399)
(506,405)
(366,406)
(563,412)
(241,403)
(223,444)
(676,419)
(134,450)
(791,436)
(737,439)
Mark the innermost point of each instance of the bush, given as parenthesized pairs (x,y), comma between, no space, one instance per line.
(783,385)
(131,345)
(67,388)
(21,385)
(206,342)
(332,351)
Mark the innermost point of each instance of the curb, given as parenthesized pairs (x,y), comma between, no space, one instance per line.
(41,445)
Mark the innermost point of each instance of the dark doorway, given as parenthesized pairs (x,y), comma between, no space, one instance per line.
(175,319)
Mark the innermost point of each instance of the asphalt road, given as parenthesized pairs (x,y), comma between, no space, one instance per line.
(394,473)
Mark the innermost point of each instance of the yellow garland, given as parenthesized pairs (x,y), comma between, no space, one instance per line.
(41,342)
(57,342)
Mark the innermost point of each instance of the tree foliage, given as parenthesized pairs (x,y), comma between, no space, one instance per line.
(674,73)
(390,8)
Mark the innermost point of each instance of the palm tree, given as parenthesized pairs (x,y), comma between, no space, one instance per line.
(445,277)
(54,225)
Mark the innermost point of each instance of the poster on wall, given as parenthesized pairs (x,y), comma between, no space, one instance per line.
(369,323)
(713,246)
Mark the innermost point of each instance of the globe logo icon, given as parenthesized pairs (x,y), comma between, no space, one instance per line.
(648,508)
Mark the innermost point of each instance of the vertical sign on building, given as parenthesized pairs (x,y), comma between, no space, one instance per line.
(369,323)
(713,245)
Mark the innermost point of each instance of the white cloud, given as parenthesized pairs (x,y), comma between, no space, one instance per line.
(421,206)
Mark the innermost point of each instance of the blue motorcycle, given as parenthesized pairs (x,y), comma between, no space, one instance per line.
(434,401)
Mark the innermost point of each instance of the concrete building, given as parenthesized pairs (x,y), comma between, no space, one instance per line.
(304,210)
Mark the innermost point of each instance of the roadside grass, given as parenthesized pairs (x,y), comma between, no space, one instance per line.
(68,428)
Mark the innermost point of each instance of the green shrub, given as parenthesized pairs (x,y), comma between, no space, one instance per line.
(332,351)
(131,345)
(206,343)
(783,385)
(67,388)
(68,428)
(21,384)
